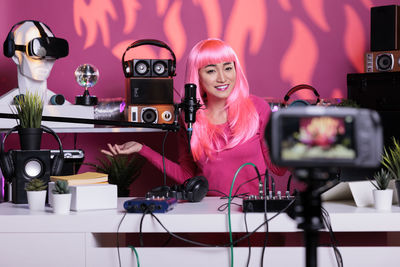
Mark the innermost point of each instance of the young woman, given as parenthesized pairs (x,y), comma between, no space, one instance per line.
(229,129)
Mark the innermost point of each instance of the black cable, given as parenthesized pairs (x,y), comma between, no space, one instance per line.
(163,158)
(266,180)
(119,225)
(146,211)
(334,243)
(223,245)
(248,239)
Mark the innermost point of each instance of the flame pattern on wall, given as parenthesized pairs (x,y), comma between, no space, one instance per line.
(244,24)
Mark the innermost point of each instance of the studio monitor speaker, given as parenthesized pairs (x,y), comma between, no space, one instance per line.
(149,91)
(29,164)
(385,28)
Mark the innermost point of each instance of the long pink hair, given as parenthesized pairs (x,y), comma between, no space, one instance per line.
(243,119)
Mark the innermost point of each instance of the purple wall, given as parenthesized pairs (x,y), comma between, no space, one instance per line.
(281,43)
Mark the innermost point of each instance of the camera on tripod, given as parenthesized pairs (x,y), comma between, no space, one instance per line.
(314,136)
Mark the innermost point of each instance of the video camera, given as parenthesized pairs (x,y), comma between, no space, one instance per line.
(314,136)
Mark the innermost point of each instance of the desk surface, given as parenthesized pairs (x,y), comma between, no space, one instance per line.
(189,217)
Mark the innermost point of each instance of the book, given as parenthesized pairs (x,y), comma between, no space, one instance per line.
(82,178)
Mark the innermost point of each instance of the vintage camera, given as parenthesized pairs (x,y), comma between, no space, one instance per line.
(382,61)
(157,114)
(315,136)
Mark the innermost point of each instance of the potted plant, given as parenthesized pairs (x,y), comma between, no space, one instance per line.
(391,160)
(29,110)
(382,194)
(36,193)
(122,170)
(61,197)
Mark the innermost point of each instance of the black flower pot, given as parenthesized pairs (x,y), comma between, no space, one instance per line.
(30,138)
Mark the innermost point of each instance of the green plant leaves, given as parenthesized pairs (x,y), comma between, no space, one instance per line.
(391,159)
(29,110)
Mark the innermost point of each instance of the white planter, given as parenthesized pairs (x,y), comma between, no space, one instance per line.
(61,203)
(36,199)
(383,199)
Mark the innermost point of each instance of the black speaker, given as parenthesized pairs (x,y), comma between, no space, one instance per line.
(149,91)
(15,168)
(193,190)
(28,164)
(381,92)
(385,28)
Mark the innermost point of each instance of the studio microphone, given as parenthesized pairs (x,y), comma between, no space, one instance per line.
(190,106)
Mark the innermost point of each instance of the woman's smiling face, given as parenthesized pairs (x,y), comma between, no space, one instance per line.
(218,80)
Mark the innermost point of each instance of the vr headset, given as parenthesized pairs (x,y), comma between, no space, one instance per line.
(44,47)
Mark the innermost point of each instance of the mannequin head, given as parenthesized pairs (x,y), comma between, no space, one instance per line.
(31,68)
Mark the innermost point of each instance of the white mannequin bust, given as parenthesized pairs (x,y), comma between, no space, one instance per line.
(32,73)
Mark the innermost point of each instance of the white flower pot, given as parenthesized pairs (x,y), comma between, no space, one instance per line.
(36,199)
(383,199)
(61,203)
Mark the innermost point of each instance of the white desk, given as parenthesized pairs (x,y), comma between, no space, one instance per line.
(87,238)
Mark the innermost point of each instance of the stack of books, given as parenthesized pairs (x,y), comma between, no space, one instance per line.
(82,178)
(90,190)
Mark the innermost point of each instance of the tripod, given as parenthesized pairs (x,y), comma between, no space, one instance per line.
(308,210)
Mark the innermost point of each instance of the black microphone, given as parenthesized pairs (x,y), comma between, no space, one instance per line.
(190,105)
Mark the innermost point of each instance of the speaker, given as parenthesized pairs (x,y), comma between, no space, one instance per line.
(28,164)
(158,114)
(193,190)
(149,91)
(149,67)
(382,61)
(13,164)
(299,102)
(385,28)
(379,91)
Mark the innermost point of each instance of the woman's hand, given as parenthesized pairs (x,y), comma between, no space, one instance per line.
(124,149)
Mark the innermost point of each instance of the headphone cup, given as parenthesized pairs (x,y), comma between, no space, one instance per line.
(7,165)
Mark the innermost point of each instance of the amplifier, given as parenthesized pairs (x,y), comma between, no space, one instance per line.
(382,61)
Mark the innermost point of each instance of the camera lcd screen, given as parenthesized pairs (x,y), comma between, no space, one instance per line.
(318,138)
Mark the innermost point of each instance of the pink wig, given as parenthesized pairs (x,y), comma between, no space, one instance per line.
(243,119)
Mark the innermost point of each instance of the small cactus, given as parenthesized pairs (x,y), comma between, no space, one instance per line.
(36,184)
(61,187)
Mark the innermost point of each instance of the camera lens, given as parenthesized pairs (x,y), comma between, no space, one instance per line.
(159,68)
(149,115)
(142,67)
(384,62)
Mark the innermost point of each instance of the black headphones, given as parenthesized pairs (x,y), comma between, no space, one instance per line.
(7,163)
(300,102)
(49,46)
(193,190)
(128,66)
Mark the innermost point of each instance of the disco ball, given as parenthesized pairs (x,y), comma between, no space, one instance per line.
(86,75)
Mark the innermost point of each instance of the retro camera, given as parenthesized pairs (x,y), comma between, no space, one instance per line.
(313,136)
(158,114)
